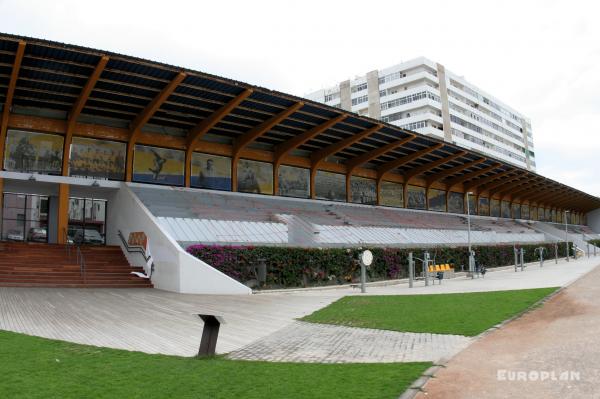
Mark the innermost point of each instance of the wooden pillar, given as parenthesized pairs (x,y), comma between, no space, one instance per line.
(234,169)
(313,174)
(348,187)
(63,212)
(1,204)
(405,194)
(276,178)
(378,192)
(427,197)
(188,168)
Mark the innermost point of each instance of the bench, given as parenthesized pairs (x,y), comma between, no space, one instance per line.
(440,272)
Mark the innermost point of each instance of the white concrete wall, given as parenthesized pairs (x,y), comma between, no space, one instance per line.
(175,269)
(593,219)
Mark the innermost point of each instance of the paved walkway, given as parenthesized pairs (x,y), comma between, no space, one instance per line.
(155,321)
(321,343)
(551,352)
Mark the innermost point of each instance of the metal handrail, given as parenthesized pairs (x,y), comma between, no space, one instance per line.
(81,261)
(67,244)
(133,248)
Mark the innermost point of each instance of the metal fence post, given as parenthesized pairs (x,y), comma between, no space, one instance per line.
(411,270)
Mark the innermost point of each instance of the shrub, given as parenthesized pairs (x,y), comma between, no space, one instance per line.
(595,242)
(301,267)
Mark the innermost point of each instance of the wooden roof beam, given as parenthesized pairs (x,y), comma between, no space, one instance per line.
(492,185)
(396,163)
(78,107)
(242,142)
(245,139)
(10,92)
(196,133)
(318,156)
(461,179)
(362,159)
(287,146)
(449,172)
(480,182)
(135,127)
(428,166)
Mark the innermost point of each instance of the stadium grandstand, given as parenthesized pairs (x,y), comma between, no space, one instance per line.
(105,149)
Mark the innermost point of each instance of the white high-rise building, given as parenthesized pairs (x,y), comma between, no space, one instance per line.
(421,95)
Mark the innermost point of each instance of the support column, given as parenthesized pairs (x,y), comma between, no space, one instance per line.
(348,187)
(313,174)
(378,191)
(63,212)
(1,204)
(234,170)
(405,194)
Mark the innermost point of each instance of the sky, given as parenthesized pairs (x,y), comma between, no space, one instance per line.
(540,57)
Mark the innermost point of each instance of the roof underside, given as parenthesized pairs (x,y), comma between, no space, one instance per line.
(52,76)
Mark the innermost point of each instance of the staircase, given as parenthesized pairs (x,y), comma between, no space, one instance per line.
(48,265)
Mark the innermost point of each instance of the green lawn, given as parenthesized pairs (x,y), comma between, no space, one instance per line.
(32,367)
(464,314)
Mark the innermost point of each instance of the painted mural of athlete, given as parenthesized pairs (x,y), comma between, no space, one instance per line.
(158,165)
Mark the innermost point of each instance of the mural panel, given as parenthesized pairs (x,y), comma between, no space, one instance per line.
(456,202)
(158,165)
(484,206)
(255,177)
(33,152)
(416,197)
(391,194)
(525,212)
(330,186)
(364,191)
(505,206)
(495,208)
(211,171)
(97,159)
(472,205)
(516,211)
(437,200)
(294,182)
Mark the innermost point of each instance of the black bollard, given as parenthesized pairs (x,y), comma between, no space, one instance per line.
(210,333)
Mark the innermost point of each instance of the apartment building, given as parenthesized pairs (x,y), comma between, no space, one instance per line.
(423,96)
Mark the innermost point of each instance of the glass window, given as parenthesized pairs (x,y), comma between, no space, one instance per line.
(25,217)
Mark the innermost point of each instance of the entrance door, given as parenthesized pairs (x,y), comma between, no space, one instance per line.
(24,217)
(87,221)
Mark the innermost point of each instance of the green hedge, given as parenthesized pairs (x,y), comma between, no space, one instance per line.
(301,267)
(595,242)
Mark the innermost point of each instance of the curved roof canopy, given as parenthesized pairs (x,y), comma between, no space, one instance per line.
(74,83)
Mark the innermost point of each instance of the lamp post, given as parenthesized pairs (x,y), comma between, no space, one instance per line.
(471,260)
(566,235)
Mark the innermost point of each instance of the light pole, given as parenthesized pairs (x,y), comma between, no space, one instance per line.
(567,235)
(471,260)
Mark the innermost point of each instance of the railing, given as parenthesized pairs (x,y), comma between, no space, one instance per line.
(81,261)
(79,258)
(133,248)
(68,244)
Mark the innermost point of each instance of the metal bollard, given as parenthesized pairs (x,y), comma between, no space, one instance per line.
(516,258)
(210,333)
(522,259)
(426,267)
(411,270)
